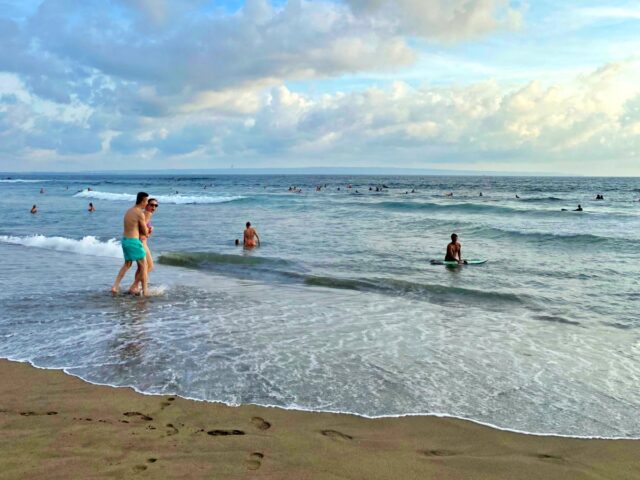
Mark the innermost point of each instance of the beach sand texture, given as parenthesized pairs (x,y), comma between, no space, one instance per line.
(54,426)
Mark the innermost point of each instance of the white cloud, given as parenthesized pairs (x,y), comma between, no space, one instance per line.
(448,20)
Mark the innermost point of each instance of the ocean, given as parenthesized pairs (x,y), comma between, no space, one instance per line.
(340,309)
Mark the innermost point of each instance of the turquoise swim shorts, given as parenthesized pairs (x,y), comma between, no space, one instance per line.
(133,249)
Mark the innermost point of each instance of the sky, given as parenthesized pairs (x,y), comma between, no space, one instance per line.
(482,85)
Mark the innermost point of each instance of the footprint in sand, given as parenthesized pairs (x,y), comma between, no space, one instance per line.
(260,423)
(545,456)
(254,461)
(224,433)
(138,414)
(437,453)
(139,468)
(336,435)
(29,414)
(171,430)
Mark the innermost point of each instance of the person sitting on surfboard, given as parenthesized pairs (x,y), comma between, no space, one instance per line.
(454,251)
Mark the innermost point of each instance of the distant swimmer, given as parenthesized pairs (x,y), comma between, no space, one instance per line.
(450,194)
(237,242)
(517,196)
(454,251)
(579,209)
(250,237)
(91,208)
(599,197)
(135,225)
(34,209)
(42,190)
(480,194)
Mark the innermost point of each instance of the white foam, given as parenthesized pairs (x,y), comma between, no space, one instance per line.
(175,199)
(157,291)
(20,180)
(88,245)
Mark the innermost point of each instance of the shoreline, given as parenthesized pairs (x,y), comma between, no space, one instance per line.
(55,425)
(308,410)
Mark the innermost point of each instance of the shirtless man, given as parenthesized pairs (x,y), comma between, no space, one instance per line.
(135,225)
(454,251)
(250,236)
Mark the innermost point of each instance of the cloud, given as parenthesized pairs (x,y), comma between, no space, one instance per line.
(448,20)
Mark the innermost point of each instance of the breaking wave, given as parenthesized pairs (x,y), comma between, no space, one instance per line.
(175,199)
(88,245)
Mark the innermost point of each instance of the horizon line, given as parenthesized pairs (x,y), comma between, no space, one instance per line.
(300,170)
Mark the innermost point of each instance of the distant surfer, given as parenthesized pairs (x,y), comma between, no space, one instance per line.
(454,251)
(579,209)
(135,225)
(250,237)
(91,208)
(517,196)
(34,209)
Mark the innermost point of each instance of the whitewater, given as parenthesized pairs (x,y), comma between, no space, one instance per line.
(340,309)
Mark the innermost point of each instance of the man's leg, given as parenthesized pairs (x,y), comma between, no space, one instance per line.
(121,274)
(134,288)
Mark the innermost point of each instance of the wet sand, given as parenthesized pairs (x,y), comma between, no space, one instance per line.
(55,426)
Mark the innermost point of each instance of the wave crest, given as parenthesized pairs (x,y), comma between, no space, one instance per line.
(174,199)
(88,245)
(20,180)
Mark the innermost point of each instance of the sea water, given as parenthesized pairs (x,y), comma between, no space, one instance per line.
(340,310)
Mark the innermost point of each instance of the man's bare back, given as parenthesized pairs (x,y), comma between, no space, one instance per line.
(453,252)
(134,223)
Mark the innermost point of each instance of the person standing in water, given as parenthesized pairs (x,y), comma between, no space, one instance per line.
(91,208)
(454,251)
(149,210)
(135,225)
(34,209)
(250,236)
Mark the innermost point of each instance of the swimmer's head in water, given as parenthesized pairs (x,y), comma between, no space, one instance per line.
(248,224)
(141,198)
(454,237)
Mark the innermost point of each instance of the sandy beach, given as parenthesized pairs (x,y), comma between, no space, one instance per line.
(57,426)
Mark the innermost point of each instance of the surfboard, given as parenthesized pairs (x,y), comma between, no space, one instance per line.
(470,261)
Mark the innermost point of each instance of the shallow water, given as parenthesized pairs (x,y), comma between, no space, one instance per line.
(340,310)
